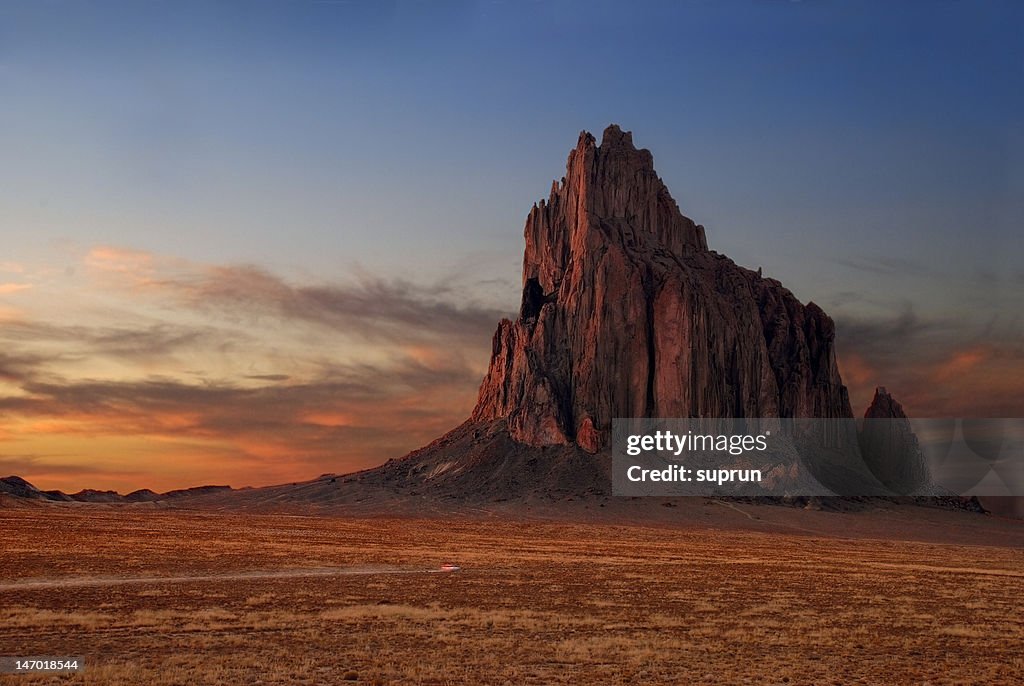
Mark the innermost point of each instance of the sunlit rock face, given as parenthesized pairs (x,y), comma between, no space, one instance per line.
(626,313)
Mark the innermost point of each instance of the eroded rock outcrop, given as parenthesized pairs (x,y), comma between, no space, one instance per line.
(626,313)
(889,447)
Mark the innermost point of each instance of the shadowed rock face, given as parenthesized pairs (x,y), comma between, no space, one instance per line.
(884,406)
(889,446)
(16,486)
(626,313)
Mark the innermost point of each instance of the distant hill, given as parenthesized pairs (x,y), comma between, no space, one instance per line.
(17,487)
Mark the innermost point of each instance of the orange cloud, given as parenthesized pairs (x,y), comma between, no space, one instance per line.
(170,449)
(132,403)
(959,363)
(109,258)
(325,418)
(8,288)
(935,366)
(856,371)
(136,268)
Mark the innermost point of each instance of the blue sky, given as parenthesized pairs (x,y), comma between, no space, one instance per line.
(869,155)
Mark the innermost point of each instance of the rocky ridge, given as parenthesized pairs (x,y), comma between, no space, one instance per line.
(625,312)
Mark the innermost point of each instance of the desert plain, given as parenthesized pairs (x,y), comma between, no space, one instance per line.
(731,594)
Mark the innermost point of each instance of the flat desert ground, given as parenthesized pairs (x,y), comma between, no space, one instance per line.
(152,596)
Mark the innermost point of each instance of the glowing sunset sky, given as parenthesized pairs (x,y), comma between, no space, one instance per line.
(251,243)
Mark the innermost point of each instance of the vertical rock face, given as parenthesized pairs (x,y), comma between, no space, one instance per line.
(889,446)
(626,313)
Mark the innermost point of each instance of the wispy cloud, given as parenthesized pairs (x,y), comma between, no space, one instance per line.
(935,367)
(882,338)
(9,288)
(268,379)
(147,341)
(351,417)
(19,367)
(367,306)
(888,266)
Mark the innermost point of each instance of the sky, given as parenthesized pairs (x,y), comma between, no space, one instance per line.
(250,243)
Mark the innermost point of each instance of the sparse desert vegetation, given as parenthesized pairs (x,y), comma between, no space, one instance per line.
(165,597)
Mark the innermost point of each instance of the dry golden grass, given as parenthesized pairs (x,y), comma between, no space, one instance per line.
(191,598)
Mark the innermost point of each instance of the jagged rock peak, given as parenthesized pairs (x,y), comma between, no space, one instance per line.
(889,447)
(626,313)
(610,193)
(614,136)
(884,406)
